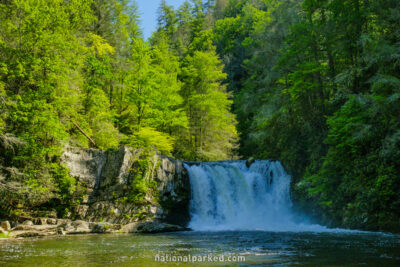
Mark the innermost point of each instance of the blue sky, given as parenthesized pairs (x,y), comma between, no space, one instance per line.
(148,14)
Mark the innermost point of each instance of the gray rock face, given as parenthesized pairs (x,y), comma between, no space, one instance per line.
(174,188)
(100,169)
(117,167)
(85,164)
(108,176)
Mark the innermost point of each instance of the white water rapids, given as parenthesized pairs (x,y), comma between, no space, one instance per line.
(229,196)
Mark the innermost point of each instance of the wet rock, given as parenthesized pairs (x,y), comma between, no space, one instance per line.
(51,221)
(60,231)
(156,227)
(250,161)
(80,223)
(153,210)
(42,221)
(16,234)
(83,227)
(76,227)
(81,211)
(104,227)
(174,191)
(52,214)
(159,215)
(100,227)
(27,222)
(23,227)
(129,228)
(6,225)
(33,230)
(62,221)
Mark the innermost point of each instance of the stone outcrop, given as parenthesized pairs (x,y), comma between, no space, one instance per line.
(174,191)
(69,227)
(151,227)
(107,197)
(108,177)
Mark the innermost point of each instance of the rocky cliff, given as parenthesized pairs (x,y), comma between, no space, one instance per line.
(127,185)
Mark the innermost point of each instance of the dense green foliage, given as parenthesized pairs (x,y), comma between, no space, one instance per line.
(78,73)
(313,83)
(316,86)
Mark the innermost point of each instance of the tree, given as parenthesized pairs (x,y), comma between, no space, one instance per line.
(96,101)
(169,115)
(212,126)
(42,55)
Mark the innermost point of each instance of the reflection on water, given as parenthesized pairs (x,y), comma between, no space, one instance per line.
(259,248)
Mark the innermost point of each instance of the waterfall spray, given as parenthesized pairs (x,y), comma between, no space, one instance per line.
(230,196)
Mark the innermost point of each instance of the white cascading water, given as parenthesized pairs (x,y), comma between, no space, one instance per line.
(230,196)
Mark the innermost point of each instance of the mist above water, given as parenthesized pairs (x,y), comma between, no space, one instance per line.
(230,196)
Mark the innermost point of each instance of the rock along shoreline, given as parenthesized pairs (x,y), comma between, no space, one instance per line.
(52,227)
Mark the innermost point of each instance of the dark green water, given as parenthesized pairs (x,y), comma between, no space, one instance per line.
(258,248)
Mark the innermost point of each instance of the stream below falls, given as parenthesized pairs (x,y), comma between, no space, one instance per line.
(240,216)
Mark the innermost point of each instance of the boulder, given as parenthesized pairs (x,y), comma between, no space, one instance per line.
(51,221)
(33,230)
(44,228)
(6,225)
(27,222)
(129,228)
(80,223)
(22,227)
(16,234)
(151,227)
(100,228)
(76,227)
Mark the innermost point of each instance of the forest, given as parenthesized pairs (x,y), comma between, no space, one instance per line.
(314,84)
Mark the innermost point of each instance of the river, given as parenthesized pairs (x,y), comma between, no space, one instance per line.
(241,216)
(258,248)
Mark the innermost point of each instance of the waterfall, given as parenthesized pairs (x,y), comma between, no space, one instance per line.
(228,195)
